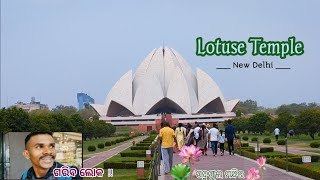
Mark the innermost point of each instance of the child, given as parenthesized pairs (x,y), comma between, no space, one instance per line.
(221,142)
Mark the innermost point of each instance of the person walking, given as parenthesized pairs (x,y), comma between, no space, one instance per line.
(190,135)
(214,137)
(196,132)
(167,136)
(180,133)
(221,142)
(203,139)
(230,135)
(276,133)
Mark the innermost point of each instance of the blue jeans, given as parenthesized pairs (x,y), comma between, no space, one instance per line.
(167,157)
(214,147)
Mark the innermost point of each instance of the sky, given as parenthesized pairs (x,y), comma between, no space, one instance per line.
(51,50)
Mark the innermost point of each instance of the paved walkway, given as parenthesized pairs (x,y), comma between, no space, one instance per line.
(227,162)
(100,157)
(299,151)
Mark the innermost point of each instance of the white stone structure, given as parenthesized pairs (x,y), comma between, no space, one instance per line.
(164,82)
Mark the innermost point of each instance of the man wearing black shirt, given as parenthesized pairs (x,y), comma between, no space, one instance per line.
(230,135)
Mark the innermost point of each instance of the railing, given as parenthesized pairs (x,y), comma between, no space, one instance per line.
(155,163)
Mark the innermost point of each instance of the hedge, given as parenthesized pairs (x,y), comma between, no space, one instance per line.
(140,148)
(101,146)
(108,143)
(143,144)
(118,140)
(244,144)
(266,149)
(267,140)
(245,138)
(254,139)
(113,142)
(297,168)
(315,144)
(248,154)
(141,153)
(281,142)
(123,165)
(92,148)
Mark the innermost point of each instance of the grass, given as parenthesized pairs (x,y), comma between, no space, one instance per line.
(95,142)
(124,129)
(301,141)
(315,165)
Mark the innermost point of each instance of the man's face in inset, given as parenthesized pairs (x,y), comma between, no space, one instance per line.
(41,151)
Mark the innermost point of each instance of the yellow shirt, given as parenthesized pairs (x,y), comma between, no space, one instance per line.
(167,135)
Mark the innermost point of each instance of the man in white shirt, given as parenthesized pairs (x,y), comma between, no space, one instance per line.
(214,137)
(196,132)
(277,133)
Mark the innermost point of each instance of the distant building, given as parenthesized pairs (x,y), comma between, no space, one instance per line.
(84,100)
(33,105)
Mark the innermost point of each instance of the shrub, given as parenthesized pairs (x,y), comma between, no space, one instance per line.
(244,144)
(254,139)
(281,142)
(245,138)
(315,144)
(113,142)
(118,141)
(91,148)
(297,160)
(315,158)
(153,132)
(248,154)
(108,143)
(267,133)
(266,149)
(297,168)
(267,140)
(140,148)
(101,146)
(124,165)
(249,149)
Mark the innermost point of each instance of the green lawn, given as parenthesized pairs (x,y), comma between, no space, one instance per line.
(95,142)
(316,165)
(302,141)
(124,129)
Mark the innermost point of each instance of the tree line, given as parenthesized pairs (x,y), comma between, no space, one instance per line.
(307,122)
(59,119)
(251,107)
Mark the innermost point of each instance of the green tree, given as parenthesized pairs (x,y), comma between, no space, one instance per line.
(283,121)
(66,110)
(77,122)
(15,119)
(86,113)
(88,131)
(257,122)
(308,121)
(248,106)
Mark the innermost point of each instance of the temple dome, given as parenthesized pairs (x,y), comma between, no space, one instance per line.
(164,82)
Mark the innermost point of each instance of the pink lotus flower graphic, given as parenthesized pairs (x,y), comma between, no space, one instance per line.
(261,161)
(253,174)
(190,153)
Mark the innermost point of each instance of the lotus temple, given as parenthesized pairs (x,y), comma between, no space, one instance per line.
(164,87)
